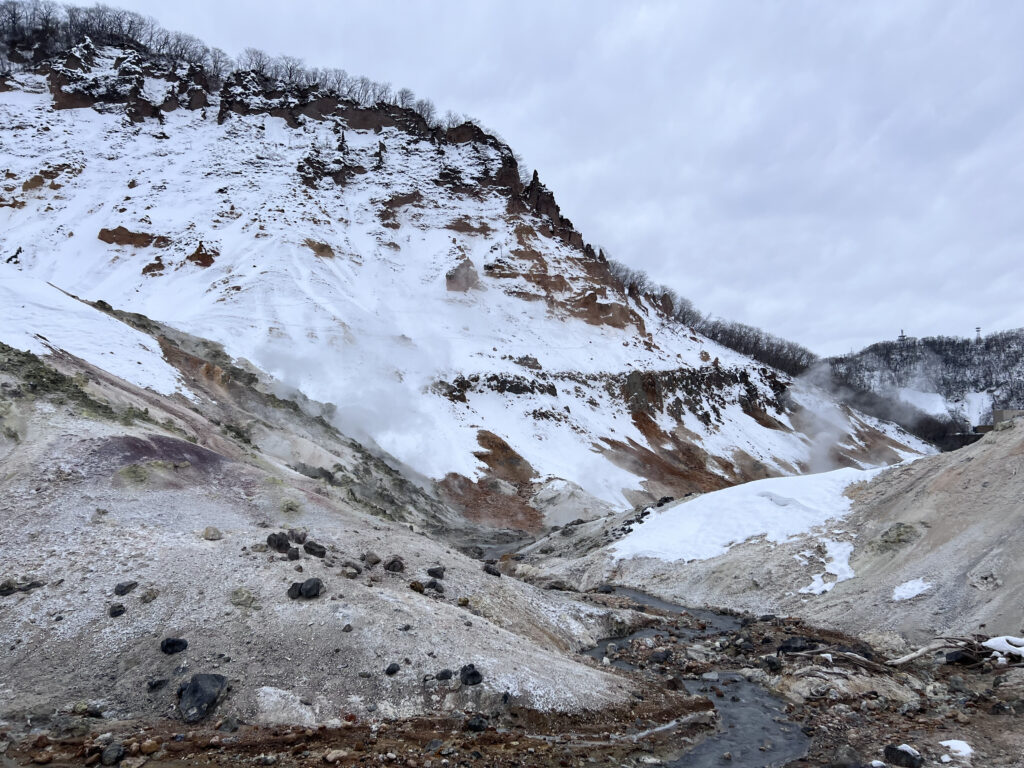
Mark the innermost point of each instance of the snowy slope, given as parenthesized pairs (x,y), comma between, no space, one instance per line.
(339,287)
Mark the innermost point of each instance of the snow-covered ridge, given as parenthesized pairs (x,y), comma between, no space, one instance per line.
(368,262)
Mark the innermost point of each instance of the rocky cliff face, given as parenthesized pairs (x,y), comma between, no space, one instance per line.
(447,313)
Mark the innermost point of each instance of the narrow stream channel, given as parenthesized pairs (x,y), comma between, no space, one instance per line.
(753,728)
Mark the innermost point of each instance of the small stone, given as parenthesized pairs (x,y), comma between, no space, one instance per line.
(903,755)
(172,645)
(117,609)
(242,597)
(417,586)
(437,572)
(445,674)
(123,588)
(370,558)
(334,755)
(314,549)
(293,553)
(463,602)
(392,669)
(259,547)
(394,564)
(491,569)
(476,724)
(148,747)
(112,754)
(212,534)
(149,595)
(156,684)
(349,573)
(435,585)
(470,675)
(353,565)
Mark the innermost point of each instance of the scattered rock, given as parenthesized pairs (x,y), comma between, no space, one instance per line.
(392,669)
(903,755)
(476,724)
(417,586)
(445,674)
(334,755)
(112,754)
(297,535)
(394,564)
(470,675)
(353,565)
(796,645)
(293,553)
(435,585)
(242,597)
(124,587)
(347,628)
(308,589)
(463,602)
(200,696)
(370,558)
(436,572)
(148,747)
(149,595)
(314,549)
(492,569)
(172,645)
(117,609)
(156,684)
(212,534)
(278,542)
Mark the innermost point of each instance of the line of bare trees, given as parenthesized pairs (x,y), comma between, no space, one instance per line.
(50,28)
(787,356)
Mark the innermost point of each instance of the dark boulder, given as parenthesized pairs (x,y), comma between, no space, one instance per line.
(902,755)
(476,724)
(436,572)
(470,675)
(314,549)
(112,754)
(200,695)
(279,542)
(293,553)
(392,669)
(492,569)
(395,564)
(172,645)
(308,589)
(445,674)
(117,609)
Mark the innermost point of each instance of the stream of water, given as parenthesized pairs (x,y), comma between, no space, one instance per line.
(753,728)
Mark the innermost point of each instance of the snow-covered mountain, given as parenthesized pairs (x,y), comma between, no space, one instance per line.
(950,379)
(398,273)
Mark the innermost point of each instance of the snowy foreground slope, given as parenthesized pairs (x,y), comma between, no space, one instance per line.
(402,275)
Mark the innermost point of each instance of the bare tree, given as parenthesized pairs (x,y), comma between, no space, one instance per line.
(218,65)
(381,92)
(256,60)
(426,110)
(405,98)
(290,70)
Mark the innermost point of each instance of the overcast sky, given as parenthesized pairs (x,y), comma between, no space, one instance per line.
(830,171)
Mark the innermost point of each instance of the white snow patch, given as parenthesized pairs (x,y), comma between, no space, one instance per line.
(1013,646)
(837,564)
(776,508)
(931,403)
(909,589)
(41,319)
(957,747)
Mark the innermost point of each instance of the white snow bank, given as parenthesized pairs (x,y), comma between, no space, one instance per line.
(777,508)
(957,747)
(931,403)
(1006,644)
(909,589)
(40,319)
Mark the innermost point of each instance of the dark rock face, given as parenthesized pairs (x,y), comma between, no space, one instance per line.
(314,549)
(123,588)
(200,695)
(896,756)
(172,645)
(470,675)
